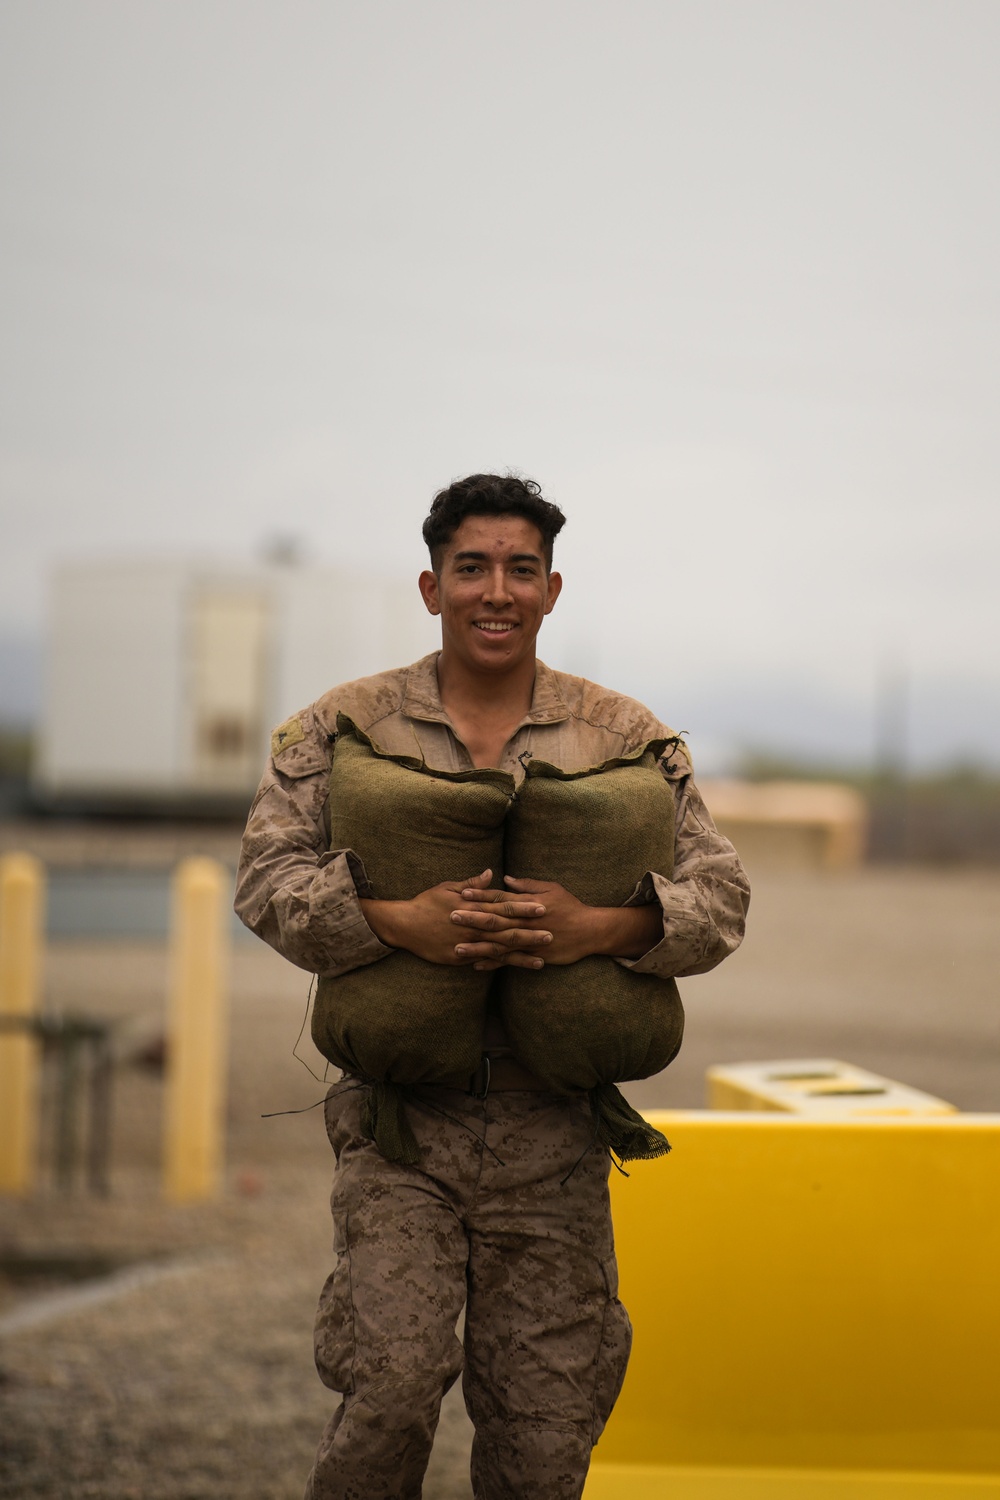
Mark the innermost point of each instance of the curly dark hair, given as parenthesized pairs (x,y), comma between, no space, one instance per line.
(490,495)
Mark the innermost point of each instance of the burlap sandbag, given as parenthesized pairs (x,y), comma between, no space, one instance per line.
(402,1020)
(592,1024)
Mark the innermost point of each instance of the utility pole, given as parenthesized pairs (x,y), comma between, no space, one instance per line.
(892,754)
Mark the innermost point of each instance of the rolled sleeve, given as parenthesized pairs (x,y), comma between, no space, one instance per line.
(704,905)
(293,892)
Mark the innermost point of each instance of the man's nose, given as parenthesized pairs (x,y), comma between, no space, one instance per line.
(497,590)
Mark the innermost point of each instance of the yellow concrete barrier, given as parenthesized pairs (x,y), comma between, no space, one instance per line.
(816,1311)
(816,1085)
(22,900)
(194,1103)
(646,1482)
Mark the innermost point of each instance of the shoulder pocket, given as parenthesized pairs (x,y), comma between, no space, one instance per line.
(301,747)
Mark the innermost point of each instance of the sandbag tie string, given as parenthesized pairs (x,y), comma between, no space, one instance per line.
(622,1129)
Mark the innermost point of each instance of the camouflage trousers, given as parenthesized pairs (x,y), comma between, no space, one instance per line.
(507,1214)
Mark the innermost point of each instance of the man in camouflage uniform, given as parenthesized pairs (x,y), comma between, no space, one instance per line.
(507,1214)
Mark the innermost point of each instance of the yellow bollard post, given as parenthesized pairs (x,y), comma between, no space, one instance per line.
(22,895)
(196,1034)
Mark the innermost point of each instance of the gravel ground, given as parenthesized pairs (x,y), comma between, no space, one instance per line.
(193,1376)
(195,1382)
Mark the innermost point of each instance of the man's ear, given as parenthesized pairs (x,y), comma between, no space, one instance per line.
(428,585)
(554,590)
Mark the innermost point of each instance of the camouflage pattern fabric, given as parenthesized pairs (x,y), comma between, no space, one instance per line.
(509,1208)
(301,895)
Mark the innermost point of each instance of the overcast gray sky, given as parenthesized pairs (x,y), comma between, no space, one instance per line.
(721,274)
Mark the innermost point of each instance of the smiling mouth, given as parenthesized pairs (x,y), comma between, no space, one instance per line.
(495,627)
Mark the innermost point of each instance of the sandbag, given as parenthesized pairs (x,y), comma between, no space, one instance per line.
(403,1020)
(593,1023)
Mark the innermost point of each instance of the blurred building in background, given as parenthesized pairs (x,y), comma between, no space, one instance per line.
(819,825)
(164,678)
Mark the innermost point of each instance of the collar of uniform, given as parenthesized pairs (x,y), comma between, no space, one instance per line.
(422,697)
(548,706)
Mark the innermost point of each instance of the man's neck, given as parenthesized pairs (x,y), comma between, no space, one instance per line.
(499,697)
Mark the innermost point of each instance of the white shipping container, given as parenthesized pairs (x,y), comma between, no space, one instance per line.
(164,678)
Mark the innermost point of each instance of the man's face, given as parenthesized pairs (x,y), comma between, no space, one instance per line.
(492,592)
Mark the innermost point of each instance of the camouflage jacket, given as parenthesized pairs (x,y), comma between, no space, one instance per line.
(302,897)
